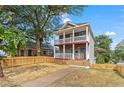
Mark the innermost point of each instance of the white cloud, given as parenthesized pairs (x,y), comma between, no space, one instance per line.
(110,33)
(65,18)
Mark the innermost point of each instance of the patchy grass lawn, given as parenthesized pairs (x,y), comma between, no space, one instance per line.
(18,75)
(90,78)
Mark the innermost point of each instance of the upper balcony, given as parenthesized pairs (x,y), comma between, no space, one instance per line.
(71,39)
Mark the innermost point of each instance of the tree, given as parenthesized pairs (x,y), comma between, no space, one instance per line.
(38,21)
(119,51)
(11,40)
(102,48)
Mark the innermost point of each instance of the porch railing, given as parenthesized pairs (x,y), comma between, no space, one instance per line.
(69,55)
(79,56)
(70,39)
(61,55)
(58,55)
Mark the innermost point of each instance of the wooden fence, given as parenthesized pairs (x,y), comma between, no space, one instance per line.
(103,66)
(120,69)
(18,61)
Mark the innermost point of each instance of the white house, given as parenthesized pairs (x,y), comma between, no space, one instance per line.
(75,41)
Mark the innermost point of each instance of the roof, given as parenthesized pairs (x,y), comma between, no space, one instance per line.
(67,25)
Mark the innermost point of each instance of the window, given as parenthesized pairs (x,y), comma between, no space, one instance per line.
(44,52)
(80,33)
(76,51)
(22,52)
(29,52)
(61,37)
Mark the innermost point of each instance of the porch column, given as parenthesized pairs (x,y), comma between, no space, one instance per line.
(87,51)
(54,51)
(63,37)
(63,45)
(73,51)
(63,51)
(73,46)
(73,35)
(87,35)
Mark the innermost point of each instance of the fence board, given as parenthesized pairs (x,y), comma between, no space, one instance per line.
(120,69)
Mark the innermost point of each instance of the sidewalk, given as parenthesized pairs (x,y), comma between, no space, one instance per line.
(45,81)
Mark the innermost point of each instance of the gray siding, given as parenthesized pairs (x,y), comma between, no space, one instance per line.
(91,48)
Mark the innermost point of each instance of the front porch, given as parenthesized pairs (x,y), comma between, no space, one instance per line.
(71,51)
(70,56)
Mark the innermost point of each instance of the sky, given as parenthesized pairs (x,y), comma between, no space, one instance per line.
(105,19)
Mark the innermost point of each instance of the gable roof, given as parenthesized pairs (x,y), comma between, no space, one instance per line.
(67,25)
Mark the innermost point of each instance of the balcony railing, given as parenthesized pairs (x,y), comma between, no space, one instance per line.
(70,39)
(79,38)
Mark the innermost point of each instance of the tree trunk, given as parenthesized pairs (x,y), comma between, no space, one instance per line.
(41,41)
(38,46)
(18,49)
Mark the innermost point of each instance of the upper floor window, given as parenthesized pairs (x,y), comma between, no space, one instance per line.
(61,37)
(68,35)
(80,33)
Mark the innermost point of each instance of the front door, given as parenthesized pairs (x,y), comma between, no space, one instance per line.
(82,52)
(29,52)
(77,53)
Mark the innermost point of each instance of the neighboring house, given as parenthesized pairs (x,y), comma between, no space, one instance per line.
(31,50)
(75,41)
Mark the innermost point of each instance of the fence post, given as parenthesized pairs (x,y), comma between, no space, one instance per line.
(1,71)
(11,64)
(34,60)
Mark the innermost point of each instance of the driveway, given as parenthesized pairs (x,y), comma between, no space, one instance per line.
(52,77)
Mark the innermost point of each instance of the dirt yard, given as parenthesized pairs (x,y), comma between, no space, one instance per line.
(90,78)
(80,77)
(18,75)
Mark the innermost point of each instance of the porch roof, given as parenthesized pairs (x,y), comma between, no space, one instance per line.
(77,43)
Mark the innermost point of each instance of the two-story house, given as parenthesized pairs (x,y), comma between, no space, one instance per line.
(74,41)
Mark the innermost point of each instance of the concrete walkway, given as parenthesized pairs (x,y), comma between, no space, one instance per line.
(50,78)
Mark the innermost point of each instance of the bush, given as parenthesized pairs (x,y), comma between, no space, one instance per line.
(100,60)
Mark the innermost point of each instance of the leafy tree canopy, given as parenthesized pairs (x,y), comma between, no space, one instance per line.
(119,51)
(102,49)
(11,40)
